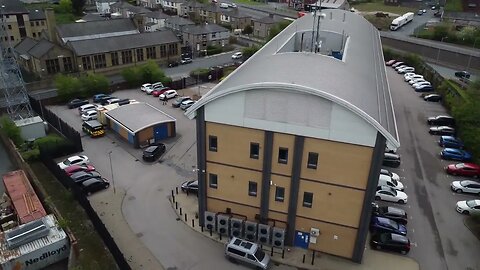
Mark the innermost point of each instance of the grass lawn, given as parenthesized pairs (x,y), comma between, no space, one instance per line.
(380,6)
(454,5)
(379,23)
(93,253)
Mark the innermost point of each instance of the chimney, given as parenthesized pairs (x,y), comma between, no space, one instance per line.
(51,25)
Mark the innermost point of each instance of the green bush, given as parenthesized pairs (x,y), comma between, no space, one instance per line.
(84,86)
(94,84)
(11,130)
(199,72)
(211,50)
(149,72)
(249,51)
(247,30)
(277,29)
(31,155)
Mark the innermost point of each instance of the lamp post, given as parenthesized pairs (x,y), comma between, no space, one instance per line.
(470,58)
(111,170)
(438,53)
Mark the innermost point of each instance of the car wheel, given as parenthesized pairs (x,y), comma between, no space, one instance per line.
(459,191)
(377,198)
(404,252)
(89,193)
(107,186)
(378,247)
(232,260)
(465,212)
(401,201)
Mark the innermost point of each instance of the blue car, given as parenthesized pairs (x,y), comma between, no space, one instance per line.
(450,142)
(99,97)
(455,154)
(381,224)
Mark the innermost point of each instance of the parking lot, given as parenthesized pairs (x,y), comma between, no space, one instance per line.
(439,237)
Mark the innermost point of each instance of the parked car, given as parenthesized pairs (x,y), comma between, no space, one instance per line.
(78,168)
(75,103)
(109,101)
(390,241)
(391,160)
(173,64)
(420,12)
(432,98)
(381,224)
(384,180)
(153,152)
(389,194)
(179,101)
(391,174)
(186,104)
(455,154)
(397,68)
(169,94)
(93,185)
(145,86)
(390,62)
(186,60)
(159,91)
(450,142)
(237,55)
(413,81)
(74,160)
(98,97)
(396,214)
(124,101)
(442,130)
(462,74)
(441,120)
(79,177)
(412,77)
(89,115)
(232,5)
(396,64)
(463,169)
(468,207)
(467,186)
(86,107)
(190,186)
(424,88)
(405,70)
(419,83)
(104,98)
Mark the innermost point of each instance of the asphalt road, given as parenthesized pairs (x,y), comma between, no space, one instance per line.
(440,239)
(417,21)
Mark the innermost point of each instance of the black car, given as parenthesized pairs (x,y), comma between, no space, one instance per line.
(441,120)
(433,98)
(442,130)
(153,152)
(93,185)
(390,241)
(391,160)
(173,64)
(190,186)
(75,103)
(105,101)
(79,177)
(99,97)
(124,101)
(462,74)
(179,101)
(396,214)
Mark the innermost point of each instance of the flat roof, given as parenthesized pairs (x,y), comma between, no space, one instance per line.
(357,81)
(137,116)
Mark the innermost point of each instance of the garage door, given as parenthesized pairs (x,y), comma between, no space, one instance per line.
(160,132)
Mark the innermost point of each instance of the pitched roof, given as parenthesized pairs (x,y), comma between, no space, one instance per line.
(35,48)
(236,13)
(193,4)
(12,7)
(270,19)
(36,14)
(93,17)
(25,45)
(129,7)
(204,29)
(157,15)
(91,29)
(179,21)
(125,42)
(212,8)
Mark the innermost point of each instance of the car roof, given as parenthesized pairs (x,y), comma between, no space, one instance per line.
(399,238)
(395,211)
(466,182)
(92,180)
(471,165)
(151,148)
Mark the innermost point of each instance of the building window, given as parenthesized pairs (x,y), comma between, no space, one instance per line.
(254,150)
(87,65)
(312,160)
(163,51)
(172,49)
(34,35)
(12,38)
(307,199)
(52,66)
(114,58)
(99,61)
(283,155)
(31,23)
(37,23)
(140,55)
(151,53)
(212,180)
(212,143)
(252,188)
(43,23)
(279,194)
(67,64)
(127,57)
(214,35)
(39,34)
(9,27)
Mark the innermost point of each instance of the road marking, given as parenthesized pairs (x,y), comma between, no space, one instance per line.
(413,230)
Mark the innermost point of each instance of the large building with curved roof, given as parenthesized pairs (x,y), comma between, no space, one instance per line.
(295,136)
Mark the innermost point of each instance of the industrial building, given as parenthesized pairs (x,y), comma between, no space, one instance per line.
(295,137)
(140,123)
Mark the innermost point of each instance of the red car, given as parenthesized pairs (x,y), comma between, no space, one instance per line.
(464,169)
(391,62)
(77,168)
(160,91)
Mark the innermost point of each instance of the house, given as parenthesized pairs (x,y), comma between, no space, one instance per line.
(43,57)
(298,153)
(191,9)
(177,23)
(198,37)
(262,26)
(173,7)
(126,10)
(235,18)
(103,6)
(109,54)
(211,13)
(153,4)
(155,20)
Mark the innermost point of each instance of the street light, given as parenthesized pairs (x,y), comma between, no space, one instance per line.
(438,53)
(111,170)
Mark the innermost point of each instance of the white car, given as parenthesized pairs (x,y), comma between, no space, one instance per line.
(389,194)
(385,180)
(467,186)
(169,94)
(393,175)
(186,104)
(405,70)
(146,86)
(468,207)
(418,84)
(237,55)
(413,77)
(87,107)
(407,76)
(89,115)
(232,5)
(400,67)
(413,81)
(74,160)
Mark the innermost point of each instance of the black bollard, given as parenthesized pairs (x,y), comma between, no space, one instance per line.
(313,257)
(193,223)
(201,227)
(176,190)
(210,232)
(283,253)
(220,234)
(176,205)
(173,197)
(303,260)
(187,192)
(186,217)
(271,253)
(180,211)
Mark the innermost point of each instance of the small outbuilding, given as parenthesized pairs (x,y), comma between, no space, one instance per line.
(141,123)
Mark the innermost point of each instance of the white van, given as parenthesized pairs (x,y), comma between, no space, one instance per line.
(238,250)
(86,107)
(224,5)
(385,180)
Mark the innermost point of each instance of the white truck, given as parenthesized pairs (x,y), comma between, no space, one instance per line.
(401,21)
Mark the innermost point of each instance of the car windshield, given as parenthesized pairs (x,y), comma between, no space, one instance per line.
(460,166)
(392,223)
(472,203)
(150,149)
(259,254)
(395,182)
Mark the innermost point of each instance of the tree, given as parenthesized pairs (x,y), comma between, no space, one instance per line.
(146,73)
(249,51)
(275,30)
(11,130)
(94,84)
(440,32)
(247,30)
(68,87)
(77,6)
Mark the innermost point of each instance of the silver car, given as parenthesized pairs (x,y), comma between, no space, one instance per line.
(467,186)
